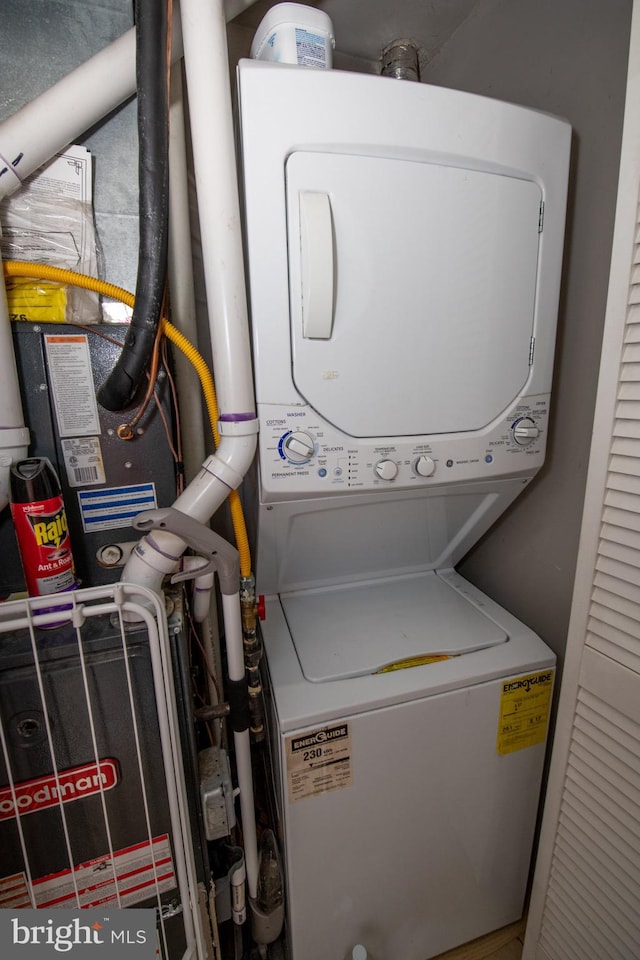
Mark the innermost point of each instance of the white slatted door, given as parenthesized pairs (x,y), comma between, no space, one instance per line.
(591,903)
(585,901)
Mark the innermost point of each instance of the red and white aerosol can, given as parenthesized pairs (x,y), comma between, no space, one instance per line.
(41,527)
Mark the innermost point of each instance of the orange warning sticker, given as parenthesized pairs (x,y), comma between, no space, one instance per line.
(524,711)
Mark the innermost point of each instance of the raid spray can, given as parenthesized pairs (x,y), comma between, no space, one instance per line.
(41,527)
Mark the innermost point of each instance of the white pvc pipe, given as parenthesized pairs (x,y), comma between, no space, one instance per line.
(159,552)
(181,290)
(11,407)
(209,97)
(233,636)
(236,670)
(247,809)
(54,119)
(14,437)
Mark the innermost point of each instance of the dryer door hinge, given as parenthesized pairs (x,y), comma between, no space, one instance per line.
(541,217)
(532,348)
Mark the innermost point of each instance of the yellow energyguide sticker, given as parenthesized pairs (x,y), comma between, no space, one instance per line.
(524,711)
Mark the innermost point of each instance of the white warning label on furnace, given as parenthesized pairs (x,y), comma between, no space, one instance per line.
(71,379)
(318,761)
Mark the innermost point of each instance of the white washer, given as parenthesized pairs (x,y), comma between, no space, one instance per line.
(404,246)
(405,830)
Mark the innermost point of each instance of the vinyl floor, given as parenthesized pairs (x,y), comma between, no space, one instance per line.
(504,944)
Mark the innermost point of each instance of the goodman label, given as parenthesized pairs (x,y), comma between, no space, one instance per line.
(318,761)
(30,796)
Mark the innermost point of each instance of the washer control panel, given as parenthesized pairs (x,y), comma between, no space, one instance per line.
(301,455)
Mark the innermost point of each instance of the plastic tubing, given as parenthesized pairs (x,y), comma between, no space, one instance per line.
(40,271)
(122,384)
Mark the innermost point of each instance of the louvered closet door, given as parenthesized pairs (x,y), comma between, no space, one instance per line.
(585,903)
(591,903)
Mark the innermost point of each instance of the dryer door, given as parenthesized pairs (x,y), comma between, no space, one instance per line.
(413,291)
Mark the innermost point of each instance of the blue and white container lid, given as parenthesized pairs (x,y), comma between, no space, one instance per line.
(295,33)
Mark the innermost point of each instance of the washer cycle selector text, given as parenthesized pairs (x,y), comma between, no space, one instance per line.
(386,469)
(524,431)
(297,446)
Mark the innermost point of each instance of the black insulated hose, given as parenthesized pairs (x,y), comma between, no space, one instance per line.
(120,387)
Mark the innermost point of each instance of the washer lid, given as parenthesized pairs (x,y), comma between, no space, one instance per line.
(359,629)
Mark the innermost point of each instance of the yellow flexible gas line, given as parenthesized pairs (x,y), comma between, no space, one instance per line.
(40,271)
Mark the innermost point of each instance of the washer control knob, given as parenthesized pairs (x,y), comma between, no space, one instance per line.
(386,469)
(298,447)
(424,466)
(524,431)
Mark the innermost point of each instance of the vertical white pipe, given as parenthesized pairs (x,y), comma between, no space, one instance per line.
(242,746)
(11,407)
(235,666)
(14,437)
(209,94)
(181,291)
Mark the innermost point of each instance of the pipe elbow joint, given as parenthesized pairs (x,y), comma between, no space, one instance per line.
(232,459)
(153,557)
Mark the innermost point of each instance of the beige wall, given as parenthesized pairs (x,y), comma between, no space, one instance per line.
(567,57)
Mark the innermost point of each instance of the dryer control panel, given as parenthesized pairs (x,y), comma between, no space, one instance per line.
(303,456)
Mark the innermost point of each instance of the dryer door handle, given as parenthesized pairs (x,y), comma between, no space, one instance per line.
(316,265)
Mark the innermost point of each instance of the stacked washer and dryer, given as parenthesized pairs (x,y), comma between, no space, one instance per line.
(404,247)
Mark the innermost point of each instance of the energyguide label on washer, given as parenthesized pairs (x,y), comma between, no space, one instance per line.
(524,711)
(318,761)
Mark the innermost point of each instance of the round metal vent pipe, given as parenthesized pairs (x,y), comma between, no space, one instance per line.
(400,60)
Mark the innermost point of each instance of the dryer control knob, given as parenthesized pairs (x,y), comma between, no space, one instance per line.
(424,466)
(386,469)
(298,446)
(524,431)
